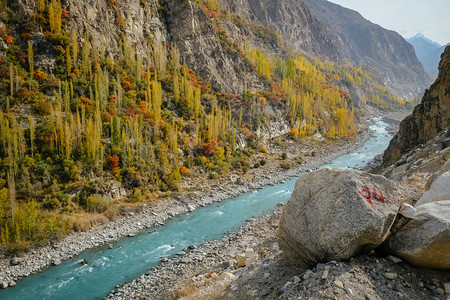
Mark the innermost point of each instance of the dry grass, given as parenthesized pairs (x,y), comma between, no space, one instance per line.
(85,221)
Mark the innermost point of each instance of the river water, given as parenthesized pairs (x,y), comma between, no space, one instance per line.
(130,257)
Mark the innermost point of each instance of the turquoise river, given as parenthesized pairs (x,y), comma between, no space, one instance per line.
(132,256)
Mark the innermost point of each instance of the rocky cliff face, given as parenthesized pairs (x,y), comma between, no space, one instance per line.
(202,50)
(430,117)
(293,21)
(367,44)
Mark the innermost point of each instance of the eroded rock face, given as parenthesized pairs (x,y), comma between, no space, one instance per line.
(335,214)
(425,240)
(428,119)
(202,50)
(439,190)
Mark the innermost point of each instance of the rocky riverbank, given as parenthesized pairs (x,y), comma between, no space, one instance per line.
(249,265)
(214,271)
(15,268)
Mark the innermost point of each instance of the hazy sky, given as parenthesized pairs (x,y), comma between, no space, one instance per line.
(407,17)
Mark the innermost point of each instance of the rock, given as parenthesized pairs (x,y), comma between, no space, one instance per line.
(440,291)
(428,118)
(425,240)
(407,210)
(324,276)
(56,262)
(247,258)
(438,191)
(338,284)
(307,274)
(240,181)
(447,287)
(252,294)
(4,285)
(227,276)
(186,260)
(395,259)
(240,259)
(15,261)
(391,276)
(249,252)
(335,214)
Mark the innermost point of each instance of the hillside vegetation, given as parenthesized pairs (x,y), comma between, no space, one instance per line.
(90,122)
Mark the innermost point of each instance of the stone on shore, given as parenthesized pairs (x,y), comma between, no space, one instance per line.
(15,261)
(439,190)
(247,258)
(335,214)
(425,240)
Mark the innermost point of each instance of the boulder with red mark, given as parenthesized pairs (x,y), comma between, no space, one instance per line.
(335,214)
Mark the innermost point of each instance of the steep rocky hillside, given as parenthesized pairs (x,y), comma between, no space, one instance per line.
(367,44)
(430,117)
(293,21)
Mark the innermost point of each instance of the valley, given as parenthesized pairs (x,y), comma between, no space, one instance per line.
(123,119)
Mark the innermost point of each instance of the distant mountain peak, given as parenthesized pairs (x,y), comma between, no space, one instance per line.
(427,51)
(420,36)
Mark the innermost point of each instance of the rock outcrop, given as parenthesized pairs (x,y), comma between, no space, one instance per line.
(425,239)
(202,50)
(366,44)
(335,214)
(439,190)
(430,117)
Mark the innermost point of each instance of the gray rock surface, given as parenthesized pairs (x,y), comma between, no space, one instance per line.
(425,240)
(335,214)
(439,190)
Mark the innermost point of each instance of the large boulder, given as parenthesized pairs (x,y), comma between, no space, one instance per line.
(425,240)
(439,190)
(335,214)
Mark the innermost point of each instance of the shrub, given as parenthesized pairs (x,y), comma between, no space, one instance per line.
(185,171)
(42,107)
(285,165)
(96,203)
(283,155)
(263,149)
(51,203)
(293,132)
(262,162)
(244,169)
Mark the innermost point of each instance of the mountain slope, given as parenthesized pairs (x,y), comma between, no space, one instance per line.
(367,44)
(423,45)
(430,117)
(293,21)
(428,52)
(105,104)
